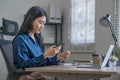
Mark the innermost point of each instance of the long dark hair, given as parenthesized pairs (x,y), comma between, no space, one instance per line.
(33,13)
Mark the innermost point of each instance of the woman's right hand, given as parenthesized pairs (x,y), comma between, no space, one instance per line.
(52,51)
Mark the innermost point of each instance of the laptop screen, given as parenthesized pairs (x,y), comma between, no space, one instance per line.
(106,59)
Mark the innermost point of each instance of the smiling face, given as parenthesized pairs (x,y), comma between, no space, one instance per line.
(38,24)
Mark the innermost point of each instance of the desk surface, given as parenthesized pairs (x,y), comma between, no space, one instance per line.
(65,68)
(69,69)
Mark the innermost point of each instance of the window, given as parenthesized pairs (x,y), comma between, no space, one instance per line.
(82,25)
(117,19)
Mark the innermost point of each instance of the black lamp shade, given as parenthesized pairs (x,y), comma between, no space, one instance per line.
(105,21)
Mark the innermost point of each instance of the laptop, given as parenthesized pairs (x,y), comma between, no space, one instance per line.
(104,63)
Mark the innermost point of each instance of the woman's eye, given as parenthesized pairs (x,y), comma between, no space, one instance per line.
(41,22)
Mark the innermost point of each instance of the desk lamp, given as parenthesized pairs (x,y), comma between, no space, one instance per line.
(106,21)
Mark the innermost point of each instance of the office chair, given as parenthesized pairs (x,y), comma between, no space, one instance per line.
(13,73)
(9,28)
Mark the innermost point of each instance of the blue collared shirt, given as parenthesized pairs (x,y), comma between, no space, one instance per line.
(28,53)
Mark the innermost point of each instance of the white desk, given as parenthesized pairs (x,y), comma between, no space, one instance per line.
(70,72)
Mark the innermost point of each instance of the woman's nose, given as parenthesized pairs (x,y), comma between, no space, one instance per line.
(42,25)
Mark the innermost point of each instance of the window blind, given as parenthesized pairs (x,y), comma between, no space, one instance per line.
(82,25)
(116,21)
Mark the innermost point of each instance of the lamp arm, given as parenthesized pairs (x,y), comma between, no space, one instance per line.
(112,31)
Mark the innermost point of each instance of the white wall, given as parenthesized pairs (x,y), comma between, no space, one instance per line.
(15,9)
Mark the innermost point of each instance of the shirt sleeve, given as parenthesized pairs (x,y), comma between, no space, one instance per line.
(23,60)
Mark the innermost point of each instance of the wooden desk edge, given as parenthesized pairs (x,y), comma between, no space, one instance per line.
(69,71)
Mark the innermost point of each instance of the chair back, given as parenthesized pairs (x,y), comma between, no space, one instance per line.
(6,48)
(9,27)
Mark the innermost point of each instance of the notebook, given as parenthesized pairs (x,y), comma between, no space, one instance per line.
(104,63)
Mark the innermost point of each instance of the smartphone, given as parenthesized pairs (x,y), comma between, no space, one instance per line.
(60,43)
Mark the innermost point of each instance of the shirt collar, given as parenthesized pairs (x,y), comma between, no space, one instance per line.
(26,36)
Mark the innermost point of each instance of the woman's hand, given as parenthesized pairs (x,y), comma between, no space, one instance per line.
(63,56)
(52,51)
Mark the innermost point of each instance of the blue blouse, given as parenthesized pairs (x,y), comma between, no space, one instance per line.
(28,53)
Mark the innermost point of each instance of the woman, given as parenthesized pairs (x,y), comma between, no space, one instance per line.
(28,49)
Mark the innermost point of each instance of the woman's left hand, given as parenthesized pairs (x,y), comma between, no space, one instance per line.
(63,56)
(52,51)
